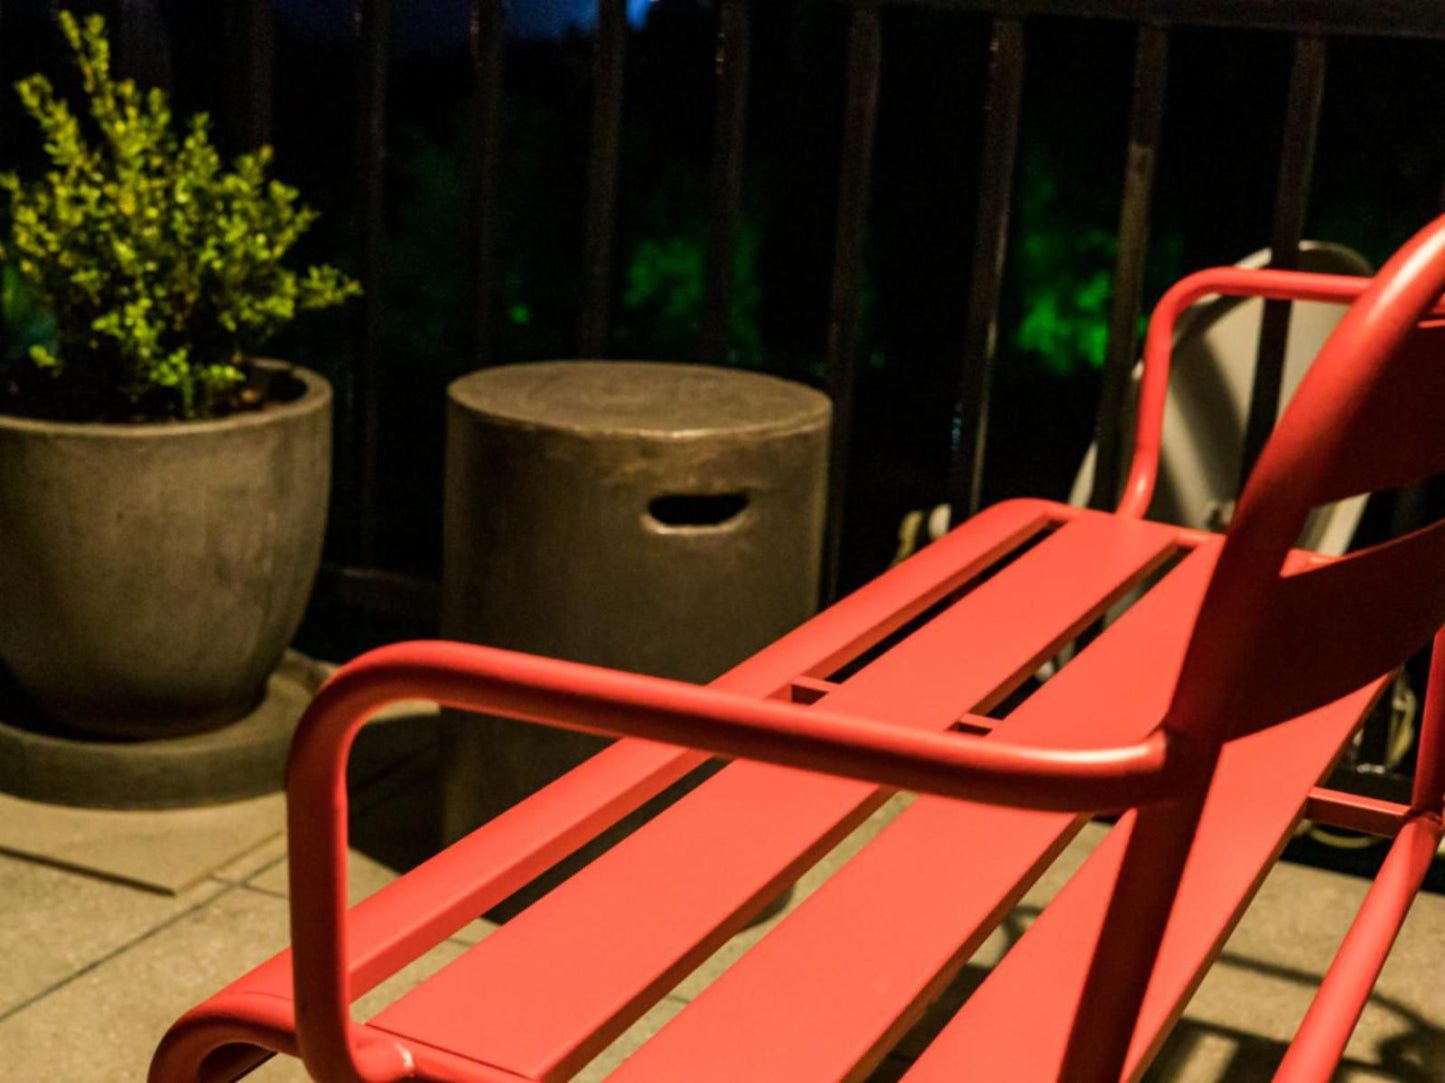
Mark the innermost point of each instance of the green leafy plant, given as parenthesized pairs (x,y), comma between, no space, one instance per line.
(161,269)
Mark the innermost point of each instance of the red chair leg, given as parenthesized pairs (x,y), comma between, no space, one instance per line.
(1127,946)
(1325,1031)
(1320,1042)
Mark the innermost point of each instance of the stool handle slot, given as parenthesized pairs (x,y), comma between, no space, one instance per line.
(696,511)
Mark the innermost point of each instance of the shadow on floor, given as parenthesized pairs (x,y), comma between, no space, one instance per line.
(1413,1056)
(396,819)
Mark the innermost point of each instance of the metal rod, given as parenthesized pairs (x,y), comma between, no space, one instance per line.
(860,116)
(1397,18)
(1151,69)
(1326,1028)
(371,27)
(969,432)
(1291,197)
(251,81)
(1355,812)
(608,61)
(726,181)
(486,33)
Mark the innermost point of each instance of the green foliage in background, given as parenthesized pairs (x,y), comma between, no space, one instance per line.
(663,284)
(1064,271)
(161,270)
(665,272)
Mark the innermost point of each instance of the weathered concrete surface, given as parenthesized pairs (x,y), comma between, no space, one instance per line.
(661,518)
(151,575)
(167,851)
(242,759)
(95,972)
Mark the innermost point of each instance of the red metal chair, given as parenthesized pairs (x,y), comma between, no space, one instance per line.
(1210,711)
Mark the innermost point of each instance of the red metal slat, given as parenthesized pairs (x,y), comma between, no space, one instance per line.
(890,929)
(1330,629)
(417,911)
(542,995)
(477,872)
(1016,1025)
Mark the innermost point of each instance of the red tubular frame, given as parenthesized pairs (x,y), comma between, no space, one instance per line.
(1159,345)
(611,703)
(1406,291)
(1321,1039)
(1166,775)
(1155,772)
(416,912)
(1356,812)
(1325,1031)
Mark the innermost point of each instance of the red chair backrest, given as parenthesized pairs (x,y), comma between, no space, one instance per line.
(1274,641)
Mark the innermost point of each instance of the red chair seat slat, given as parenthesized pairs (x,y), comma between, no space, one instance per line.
(543,994)
(892,927)
(1092,987)
(418,910)
(1016,1025)
(392,927)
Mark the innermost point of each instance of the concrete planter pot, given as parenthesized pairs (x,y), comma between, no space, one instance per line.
(152,575)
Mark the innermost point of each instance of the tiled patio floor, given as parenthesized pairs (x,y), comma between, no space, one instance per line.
(92,972)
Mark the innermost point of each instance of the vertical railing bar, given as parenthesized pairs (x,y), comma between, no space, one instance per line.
(731,62)
(968,434)
(250,86)
(608,61)
(1151,72)
(486,35)
(371,19)
(860,116)
(140,45)
(1296,163)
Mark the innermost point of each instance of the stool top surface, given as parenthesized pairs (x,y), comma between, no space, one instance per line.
(642,398)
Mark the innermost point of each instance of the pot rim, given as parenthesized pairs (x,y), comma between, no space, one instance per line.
(317,395)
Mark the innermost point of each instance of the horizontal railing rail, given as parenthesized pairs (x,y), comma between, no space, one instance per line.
(1375,18)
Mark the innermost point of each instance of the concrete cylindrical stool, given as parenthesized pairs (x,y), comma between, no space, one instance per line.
(660,518)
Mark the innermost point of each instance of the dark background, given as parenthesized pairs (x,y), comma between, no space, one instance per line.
(1378,176)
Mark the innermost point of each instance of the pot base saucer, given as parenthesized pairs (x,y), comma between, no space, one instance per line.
(244,758)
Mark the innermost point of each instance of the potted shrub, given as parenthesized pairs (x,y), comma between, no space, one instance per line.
(162,490)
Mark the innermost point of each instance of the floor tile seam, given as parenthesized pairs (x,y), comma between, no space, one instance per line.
(245,881)
(362,802)
(255,889)
(102,876)
(117,951)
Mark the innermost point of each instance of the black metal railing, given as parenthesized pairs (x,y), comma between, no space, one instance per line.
(1311,23)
